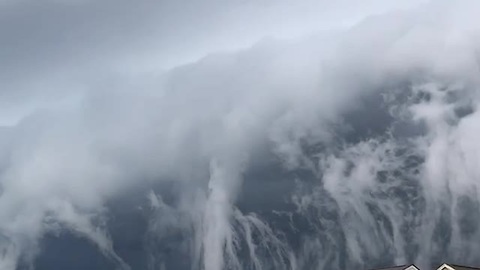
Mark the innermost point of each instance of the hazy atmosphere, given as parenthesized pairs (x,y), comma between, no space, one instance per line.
(239,134)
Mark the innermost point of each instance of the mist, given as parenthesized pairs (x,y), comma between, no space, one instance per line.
(238,135)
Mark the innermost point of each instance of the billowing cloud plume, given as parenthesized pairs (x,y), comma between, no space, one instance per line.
(380,116)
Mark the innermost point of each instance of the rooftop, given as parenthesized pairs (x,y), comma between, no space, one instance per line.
(444,266)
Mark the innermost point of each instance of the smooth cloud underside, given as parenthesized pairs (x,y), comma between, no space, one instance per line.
(374,127)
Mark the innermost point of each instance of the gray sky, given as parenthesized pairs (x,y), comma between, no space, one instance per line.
(58,31)
(51,48)
(137,90)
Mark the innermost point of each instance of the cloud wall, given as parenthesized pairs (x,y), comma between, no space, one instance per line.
(93,135)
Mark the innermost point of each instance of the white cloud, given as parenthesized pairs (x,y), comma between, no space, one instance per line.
(214,114)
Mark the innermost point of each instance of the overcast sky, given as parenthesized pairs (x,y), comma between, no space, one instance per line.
(52,48)
(97,97)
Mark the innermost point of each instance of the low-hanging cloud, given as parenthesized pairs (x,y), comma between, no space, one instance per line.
(204,124)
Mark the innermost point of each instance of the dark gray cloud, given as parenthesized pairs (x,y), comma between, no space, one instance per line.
(95,109)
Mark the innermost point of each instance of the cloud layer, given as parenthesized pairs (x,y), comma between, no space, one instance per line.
(382,115)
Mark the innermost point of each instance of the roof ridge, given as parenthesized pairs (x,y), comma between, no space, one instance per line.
(396,266)
(464,266)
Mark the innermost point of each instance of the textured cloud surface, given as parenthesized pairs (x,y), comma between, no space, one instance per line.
(339,141)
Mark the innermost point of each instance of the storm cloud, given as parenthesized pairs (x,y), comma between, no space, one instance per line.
(357,122)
